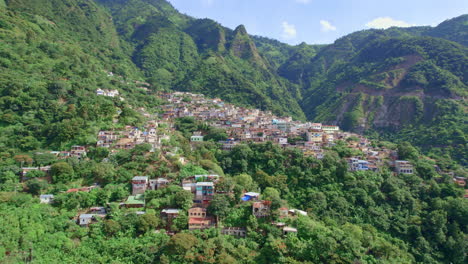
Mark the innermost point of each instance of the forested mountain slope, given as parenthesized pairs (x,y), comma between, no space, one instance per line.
(179,52)
(54,55)
(405,84)
(395,83)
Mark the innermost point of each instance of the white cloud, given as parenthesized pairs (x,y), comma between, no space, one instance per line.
(289,30)
(303,1)
(387,22)
(327,26)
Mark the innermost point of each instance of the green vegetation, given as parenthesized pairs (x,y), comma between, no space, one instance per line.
(402,85)
(150,40)
(371,217)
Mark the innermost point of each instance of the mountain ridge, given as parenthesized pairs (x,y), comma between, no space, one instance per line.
(339,83)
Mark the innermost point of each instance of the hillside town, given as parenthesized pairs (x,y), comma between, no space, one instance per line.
(242,125)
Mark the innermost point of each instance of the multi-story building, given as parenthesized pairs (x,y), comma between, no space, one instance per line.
(139,184)
(403,167)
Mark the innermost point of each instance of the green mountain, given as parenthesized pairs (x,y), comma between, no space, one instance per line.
(400,83)
(179,52)
(54,55)
(397,83)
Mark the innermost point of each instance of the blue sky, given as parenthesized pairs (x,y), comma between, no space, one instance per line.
(320,21)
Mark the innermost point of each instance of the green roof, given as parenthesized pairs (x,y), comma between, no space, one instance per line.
(137,199)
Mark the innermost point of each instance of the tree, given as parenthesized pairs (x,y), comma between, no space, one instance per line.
(111,227)
(35,186)
(180,222)
(216,134)
(98,154)
(147,222)
(273,195)
(219,206)
(181,243)
(104,173)
(183,199)
(61,172)
(406,151)
(35,174)
(43,159)
(23,159)
(425,169)
(191,170)
(246,182)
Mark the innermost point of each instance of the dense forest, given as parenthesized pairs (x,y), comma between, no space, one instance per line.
(364,217)
(399,85)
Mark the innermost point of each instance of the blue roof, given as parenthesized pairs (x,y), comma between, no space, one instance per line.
(246,198)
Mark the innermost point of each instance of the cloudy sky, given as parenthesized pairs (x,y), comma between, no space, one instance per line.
(320,21)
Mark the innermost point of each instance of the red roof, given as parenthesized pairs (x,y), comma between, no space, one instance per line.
(193,220)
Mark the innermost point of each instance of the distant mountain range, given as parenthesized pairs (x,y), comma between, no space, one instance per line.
(399,83)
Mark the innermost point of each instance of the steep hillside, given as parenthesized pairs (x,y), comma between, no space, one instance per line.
(179,52)
(455,29)
(397,82)
(54,55)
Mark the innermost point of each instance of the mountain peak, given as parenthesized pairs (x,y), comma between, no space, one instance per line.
(240,30)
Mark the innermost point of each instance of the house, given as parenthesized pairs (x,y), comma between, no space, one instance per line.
(288,230)
(197,212)
(204,191)
(355,164)
(135,201)
(158,183)
(296,212)
(82,189)
(250,196)
(139,184)
(314,137)
(108,93)
(316,126)
(234,231)
(189,185)
(261,209)
(85,219)
(229,145)
(283,212)
(282,140)
(46,198)
(330,129)
(78,151)
(98,210)
(280,225)
(198,218)
(284,126)
(200,223)
(196,137)
(169,215)
(460,182)
(403,167)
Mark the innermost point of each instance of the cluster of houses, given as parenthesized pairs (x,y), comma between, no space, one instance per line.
(78,152)
(203,189)
(252,125)
(132,136)
(242,125)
